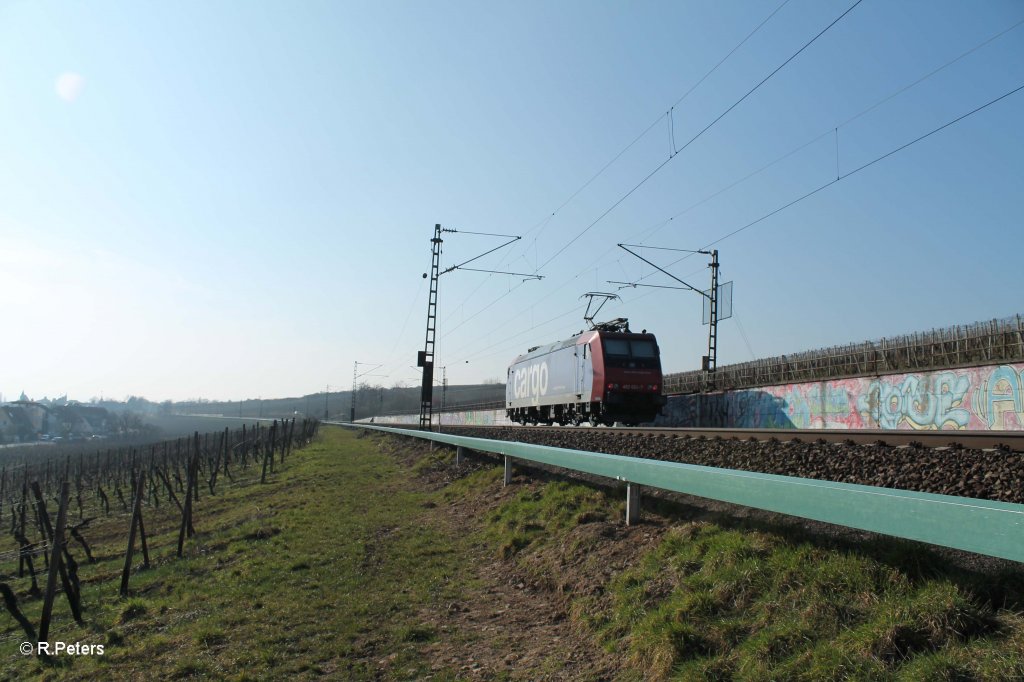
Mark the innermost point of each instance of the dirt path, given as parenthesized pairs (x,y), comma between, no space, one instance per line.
(509,625)
(506,626)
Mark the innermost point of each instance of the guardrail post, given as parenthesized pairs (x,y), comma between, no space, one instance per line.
(460,454)
(632,504)
(508,471)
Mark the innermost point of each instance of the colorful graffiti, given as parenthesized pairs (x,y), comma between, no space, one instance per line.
(980,398)
(921,402)
(983,398)
(999,399)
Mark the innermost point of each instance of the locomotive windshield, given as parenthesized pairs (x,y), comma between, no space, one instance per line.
(643,349)
(639,348)
(635,353)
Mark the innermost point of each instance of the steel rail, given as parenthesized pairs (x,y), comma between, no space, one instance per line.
(1004,440)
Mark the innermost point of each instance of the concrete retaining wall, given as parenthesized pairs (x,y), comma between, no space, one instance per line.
(976,398)
(472,418)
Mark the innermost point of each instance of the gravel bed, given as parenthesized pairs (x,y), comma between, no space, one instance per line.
(981,474)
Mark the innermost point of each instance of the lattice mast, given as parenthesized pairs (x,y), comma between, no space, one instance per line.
(355,378)
(426,357)
(711,360)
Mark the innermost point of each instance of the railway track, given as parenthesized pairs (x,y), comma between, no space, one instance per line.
(1006,441)
(987,466)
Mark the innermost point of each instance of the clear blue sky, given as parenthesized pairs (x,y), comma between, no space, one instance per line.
(235,199)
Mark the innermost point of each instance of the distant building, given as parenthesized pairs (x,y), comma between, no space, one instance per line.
(26,420)
(15,425)
(38,414)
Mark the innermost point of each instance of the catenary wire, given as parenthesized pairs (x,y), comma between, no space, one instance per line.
(863,167)
(813,140)
(543,223)
(655,228)
(699,134)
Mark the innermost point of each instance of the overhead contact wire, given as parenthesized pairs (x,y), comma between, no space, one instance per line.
(653,230)
(705,129)
(866,165)
(543,223)
(655,121)
(766,78)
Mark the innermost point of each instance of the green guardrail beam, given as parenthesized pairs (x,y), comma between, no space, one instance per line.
(980,526)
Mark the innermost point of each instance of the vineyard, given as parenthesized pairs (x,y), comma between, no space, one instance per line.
(58,507)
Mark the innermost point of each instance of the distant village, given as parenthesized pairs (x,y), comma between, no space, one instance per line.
(60,420)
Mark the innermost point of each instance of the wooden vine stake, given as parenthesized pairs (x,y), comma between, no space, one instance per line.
(136,524)
(186,512)
(69,585)
(56,559)
(11,601)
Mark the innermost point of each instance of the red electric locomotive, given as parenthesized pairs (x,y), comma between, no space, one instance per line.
(602,376)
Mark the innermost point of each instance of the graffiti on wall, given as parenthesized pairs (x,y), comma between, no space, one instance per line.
(985,398)
(999,399)
(981,398)
(930,401)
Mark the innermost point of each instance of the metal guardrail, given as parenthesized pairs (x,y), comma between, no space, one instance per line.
(980,526)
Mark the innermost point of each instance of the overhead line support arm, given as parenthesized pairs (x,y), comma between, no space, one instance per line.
(663,271)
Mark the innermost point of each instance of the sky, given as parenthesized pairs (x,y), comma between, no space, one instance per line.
(235,199)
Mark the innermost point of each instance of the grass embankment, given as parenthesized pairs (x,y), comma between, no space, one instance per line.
(319,572)
(709,602)
(353,563)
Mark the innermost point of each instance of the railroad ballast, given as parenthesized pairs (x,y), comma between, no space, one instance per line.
(601,376)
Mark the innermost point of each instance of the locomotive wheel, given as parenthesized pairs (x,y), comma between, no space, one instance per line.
(594,419)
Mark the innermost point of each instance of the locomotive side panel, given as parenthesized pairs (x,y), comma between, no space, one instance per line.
(546,378)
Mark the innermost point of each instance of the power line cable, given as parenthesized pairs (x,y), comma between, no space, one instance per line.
(542,225)
(831,130)
(412,305)
(704,130)
(766,78)
(743,333)
(863,167)
(504,342)
(655,228)
(668,115)
(857,170)
(726,57)
(533,329)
